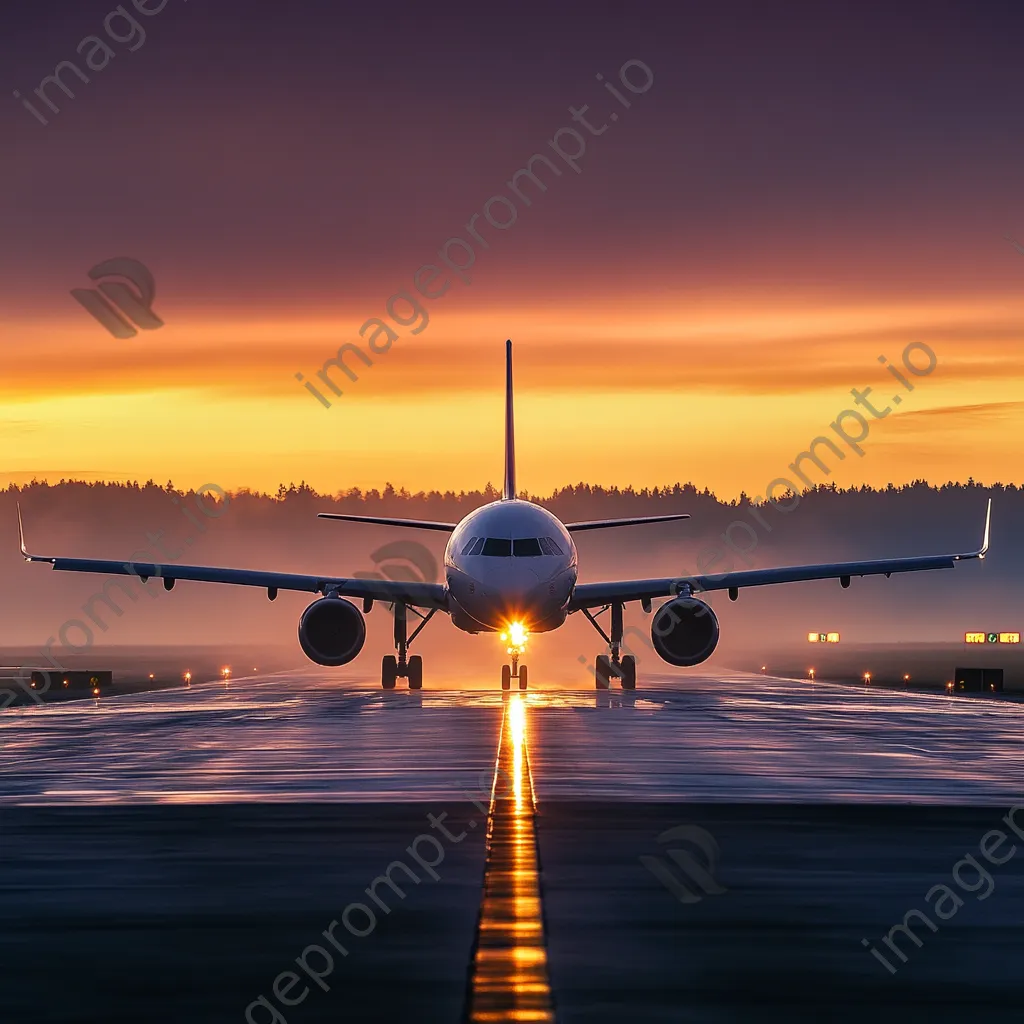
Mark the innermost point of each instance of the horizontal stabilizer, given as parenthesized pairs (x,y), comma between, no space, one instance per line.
(415,524)
(605,524)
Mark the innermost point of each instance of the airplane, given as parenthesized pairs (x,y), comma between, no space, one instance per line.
(510,568)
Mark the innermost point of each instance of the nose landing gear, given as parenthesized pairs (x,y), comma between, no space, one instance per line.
(515,671)
(515,637)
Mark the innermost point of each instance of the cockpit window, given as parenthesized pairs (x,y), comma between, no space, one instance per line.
(549,547)
(521,547)
(526,547)
(497,547)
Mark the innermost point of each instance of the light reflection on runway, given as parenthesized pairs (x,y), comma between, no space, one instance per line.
(756,738)
(312,737)
(254,742)
(509,975)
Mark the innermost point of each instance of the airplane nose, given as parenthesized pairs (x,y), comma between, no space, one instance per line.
(519,582)
(519,593)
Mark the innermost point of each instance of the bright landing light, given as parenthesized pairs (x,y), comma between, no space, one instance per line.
(516,636)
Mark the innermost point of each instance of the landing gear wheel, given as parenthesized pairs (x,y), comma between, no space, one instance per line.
(627,672)
(415,671)
(522,677)
(506,677)
(388,672)
(602,671)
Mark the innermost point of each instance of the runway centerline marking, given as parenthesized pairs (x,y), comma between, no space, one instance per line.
(509,978)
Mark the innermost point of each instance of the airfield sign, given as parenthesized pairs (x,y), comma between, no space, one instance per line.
(823,638)
(992,638)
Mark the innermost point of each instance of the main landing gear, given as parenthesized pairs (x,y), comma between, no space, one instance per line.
(411,668)
(607,667)
(515,671)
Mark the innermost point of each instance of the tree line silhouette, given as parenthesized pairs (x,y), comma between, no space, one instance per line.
(917,511)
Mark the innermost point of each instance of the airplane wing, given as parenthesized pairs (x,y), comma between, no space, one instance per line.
(421,595)
(592,595)
(604,524)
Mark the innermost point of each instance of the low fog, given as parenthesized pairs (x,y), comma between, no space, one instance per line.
(282,533)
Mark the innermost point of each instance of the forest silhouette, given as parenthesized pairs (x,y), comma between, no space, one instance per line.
(910,517)
(280,532)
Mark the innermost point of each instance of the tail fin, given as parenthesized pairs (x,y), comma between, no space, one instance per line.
(510,430)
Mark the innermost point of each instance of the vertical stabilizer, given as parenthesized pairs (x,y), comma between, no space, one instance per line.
(510,430)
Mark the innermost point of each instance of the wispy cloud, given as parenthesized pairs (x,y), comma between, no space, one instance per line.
(959,417)
(739,348)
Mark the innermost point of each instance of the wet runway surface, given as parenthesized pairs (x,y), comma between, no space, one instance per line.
(729,738)
(167,856)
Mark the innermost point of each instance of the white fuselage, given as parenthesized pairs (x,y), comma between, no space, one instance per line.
(510,561)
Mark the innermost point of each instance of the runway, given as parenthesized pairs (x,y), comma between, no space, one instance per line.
(171,854)
(728,738)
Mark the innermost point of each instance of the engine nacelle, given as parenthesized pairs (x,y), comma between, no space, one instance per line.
(332,631)
(685,631)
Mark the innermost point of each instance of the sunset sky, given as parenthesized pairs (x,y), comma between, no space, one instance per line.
(796,194)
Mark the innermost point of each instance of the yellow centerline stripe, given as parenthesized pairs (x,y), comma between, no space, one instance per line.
(509,976)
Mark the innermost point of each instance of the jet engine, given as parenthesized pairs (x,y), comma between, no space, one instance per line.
(332,631)
(685,631)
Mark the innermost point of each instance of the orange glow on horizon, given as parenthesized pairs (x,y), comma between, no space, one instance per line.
(216,399)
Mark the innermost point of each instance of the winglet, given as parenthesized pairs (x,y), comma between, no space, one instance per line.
(21,534)
(21,537)
(983,550)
